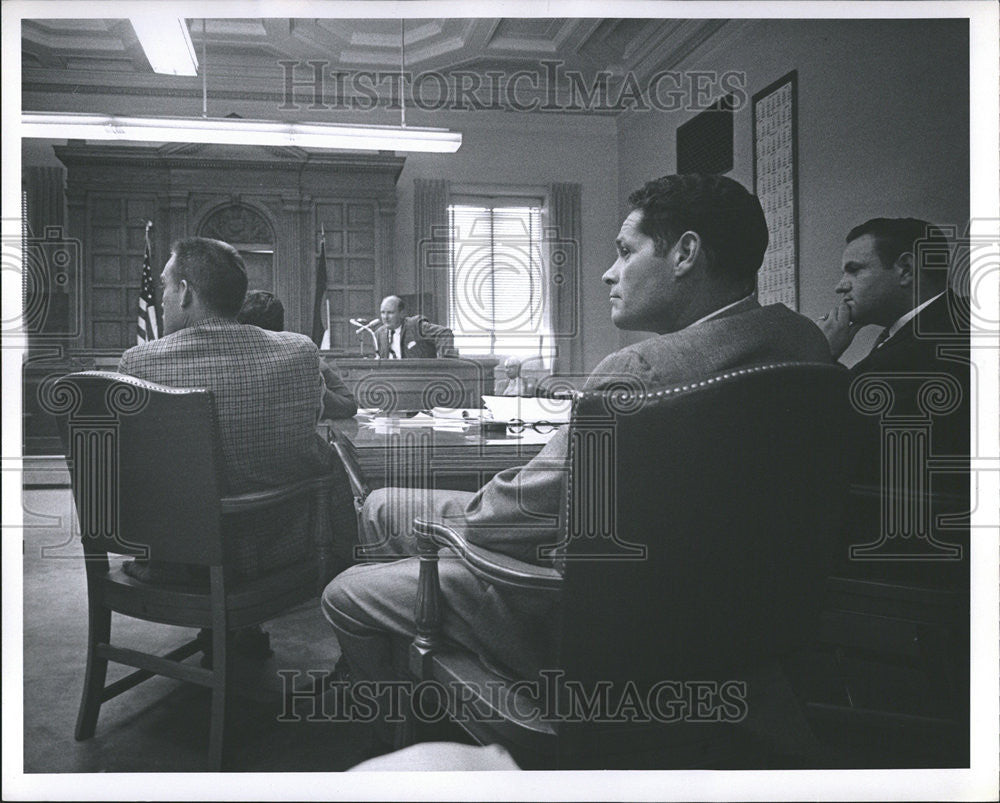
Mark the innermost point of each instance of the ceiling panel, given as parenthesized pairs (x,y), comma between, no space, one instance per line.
(247,52)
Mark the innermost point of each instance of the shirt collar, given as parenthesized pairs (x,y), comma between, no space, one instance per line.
(905,319)
(719,311)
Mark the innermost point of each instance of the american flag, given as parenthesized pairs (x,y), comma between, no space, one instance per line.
(320,335)
(149,328)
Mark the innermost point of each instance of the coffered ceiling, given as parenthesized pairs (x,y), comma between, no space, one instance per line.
(243,56)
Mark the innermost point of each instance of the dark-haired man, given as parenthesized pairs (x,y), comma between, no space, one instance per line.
(267,390)
(895,275)
(265,310)
(688,255)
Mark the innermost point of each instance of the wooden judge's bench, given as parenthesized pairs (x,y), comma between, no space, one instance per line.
(417,384)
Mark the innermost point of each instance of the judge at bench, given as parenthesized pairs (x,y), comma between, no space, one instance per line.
(400,336)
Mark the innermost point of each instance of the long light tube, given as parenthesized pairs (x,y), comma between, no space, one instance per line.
(167,44)
(236,131)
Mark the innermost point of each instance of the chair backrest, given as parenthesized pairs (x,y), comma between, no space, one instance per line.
(144,462)
(701,523)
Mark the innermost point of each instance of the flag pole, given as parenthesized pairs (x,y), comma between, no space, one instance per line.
(148,320)
(320,290)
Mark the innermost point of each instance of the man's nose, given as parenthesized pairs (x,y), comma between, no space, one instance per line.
(842,286)
(610,275)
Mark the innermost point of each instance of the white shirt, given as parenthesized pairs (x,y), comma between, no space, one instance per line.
(720,310)
(905,319)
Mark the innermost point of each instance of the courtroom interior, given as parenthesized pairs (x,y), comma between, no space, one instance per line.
(446,259)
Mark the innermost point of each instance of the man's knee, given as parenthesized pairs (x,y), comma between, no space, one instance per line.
(372,511)
(340,599)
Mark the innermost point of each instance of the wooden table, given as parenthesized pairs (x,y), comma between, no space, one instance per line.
(425,457)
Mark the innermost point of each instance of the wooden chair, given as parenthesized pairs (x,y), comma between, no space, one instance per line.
(703,560)
(144,461)
(348,453)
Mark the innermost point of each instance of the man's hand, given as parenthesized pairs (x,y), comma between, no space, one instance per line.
(838,328)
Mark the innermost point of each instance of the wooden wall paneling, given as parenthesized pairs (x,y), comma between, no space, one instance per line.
(387,246)
(180,185)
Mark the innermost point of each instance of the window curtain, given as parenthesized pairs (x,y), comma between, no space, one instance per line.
(430,248)
(46,197)
(564,269)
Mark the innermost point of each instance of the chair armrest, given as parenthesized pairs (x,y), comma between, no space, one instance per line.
(348,455)
(492,566)
(243,503)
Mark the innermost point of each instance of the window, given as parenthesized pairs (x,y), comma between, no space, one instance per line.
(497,278)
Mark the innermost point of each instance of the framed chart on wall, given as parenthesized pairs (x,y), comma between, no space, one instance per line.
(775,182)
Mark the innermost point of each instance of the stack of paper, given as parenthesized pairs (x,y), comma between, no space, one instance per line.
(421,419)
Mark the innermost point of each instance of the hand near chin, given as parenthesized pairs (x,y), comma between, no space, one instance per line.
(838,328)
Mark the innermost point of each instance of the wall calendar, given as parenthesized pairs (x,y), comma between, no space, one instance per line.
(775,180)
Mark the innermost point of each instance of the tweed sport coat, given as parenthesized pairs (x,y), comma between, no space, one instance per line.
(420,338)
(268,395)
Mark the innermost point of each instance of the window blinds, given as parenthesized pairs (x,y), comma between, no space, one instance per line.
(497,280)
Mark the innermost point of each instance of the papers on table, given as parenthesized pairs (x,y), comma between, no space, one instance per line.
(458,413)
(528,409)
(440,418)
(500,409)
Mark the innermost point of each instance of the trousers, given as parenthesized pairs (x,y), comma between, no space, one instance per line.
(371,603)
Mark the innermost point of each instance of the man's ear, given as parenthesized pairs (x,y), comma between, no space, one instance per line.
(186,293)
(904,268)
(686,251)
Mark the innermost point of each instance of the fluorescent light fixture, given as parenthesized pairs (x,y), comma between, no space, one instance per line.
(167,43)
(236,131)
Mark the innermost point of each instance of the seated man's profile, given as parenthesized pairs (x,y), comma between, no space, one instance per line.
(687,260)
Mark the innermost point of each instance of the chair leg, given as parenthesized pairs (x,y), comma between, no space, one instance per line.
(221,641)
(98,632)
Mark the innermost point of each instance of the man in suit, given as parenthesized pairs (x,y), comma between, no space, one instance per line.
(265,310)
(895,275)
(894,272)
(400,336)
(267,389)
(688,255)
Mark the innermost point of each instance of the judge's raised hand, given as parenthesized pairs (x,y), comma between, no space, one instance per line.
(838,328)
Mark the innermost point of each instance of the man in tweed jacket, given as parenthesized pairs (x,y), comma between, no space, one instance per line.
(268,393)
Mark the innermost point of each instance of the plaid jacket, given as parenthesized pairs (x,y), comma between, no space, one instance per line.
(268,395)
